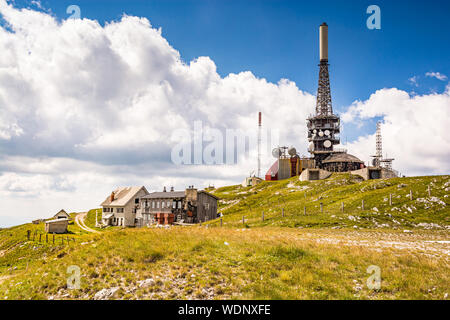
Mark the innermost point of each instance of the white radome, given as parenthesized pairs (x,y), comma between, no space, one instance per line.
(327,132)
(276,153)
(320,133)
(327,143)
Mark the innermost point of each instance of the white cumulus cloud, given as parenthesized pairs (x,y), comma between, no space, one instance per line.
(414,129)
(85,108)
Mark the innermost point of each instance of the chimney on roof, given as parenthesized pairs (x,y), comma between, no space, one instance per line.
(112,196)
(171,189)
(164,190)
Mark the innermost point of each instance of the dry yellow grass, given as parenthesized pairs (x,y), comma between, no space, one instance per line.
(221,263)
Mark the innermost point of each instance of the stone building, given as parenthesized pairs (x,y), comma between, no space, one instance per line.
(167,207)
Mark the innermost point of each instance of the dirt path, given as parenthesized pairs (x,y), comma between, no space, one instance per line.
(79,220)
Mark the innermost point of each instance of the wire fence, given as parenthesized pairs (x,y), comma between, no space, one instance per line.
(56,239)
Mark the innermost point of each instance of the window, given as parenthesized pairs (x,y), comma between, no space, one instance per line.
(163,204)
(206,206)
(119,210)
(179,204)
(174,204)
(136,201)
(157,204)
(153,204)
(168,204)
(104,210)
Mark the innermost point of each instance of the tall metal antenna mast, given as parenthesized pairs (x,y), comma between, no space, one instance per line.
(378,159)
(323,105)
(259,143)
(324,126)
(379,146)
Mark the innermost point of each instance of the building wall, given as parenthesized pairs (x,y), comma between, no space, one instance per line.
(61,215)
(284,169)
(311,174)
(365,173)
(56,227)
(128,215)
(147,214)
(206,207)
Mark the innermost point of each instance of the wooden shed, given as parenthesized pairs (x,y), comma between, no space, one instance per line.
(56,225)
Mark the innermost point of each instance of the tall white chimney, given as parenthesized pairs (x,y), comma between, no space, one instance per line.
(323,34)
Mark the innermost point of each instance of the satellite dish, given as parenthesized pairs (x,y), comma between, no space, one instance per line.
(292,151)
(276,153)
(327,143)
(320,133)
(311,146)
(327,132)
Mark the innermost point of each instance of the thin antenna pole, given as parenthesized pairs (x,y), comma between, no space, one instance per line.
(259,143)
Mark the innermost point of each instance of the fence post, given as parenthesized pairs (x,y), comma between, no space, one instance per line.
(40,235)
(282,212)
(220,221)
(362,204)
(263,216)
(243,220)
(53,238)
(429,191)
(34,235)
(410,195)
(46,237)
(304,210)
(28,234)
(342,207)
(321,207)
(390,199)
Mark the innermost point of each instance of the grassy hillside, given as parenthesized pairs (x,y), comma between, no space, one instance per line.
(295,257)
(294,196)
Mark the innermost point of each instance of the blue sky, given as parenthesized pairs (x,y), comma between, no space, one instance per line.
(278,39)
